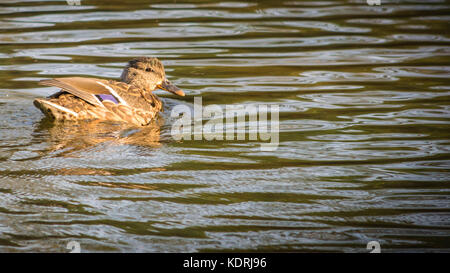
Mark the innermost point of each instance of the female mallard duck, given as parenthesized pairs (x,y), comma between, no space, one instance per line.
(130,100)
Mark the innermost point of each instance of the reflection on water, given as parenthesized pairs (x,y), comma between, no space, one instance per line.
(71,137)
(363,93)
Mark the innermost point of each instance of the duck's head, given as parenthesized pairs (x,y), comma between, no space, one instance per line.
(147,73)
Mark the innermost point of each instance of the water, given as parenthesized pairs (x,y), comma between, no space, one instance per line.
(364,96)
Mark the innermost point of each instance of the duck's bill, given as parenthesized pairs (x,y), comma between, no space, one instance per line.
(168,86)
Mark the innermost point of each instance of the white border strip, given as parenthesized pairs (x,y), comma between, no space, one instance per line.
(59,107)
(114,93)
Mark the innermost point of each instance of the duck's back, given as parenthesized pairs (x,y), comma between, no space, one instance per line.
(90,98)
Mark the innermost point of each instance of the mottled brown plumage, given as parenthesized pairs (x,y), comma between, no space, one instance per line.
(130,100)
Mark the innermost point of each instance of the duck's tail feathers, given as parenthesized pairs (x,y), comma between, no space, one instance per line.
(54,110)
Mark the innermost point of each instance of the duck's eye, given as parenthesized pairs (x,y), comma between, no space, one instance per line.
(149,70)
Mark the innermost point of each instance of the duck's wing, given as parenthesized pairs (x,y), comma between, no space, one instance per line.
(85,88)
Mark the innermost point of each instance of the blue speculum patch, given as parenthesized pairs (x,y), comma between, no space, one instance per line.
(103,97)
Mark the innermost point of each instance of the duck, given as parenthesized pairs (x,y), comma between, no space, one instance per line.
(129,100)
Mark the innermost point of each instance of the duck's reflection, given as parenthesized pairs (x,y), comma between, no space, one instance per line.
(66,138)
